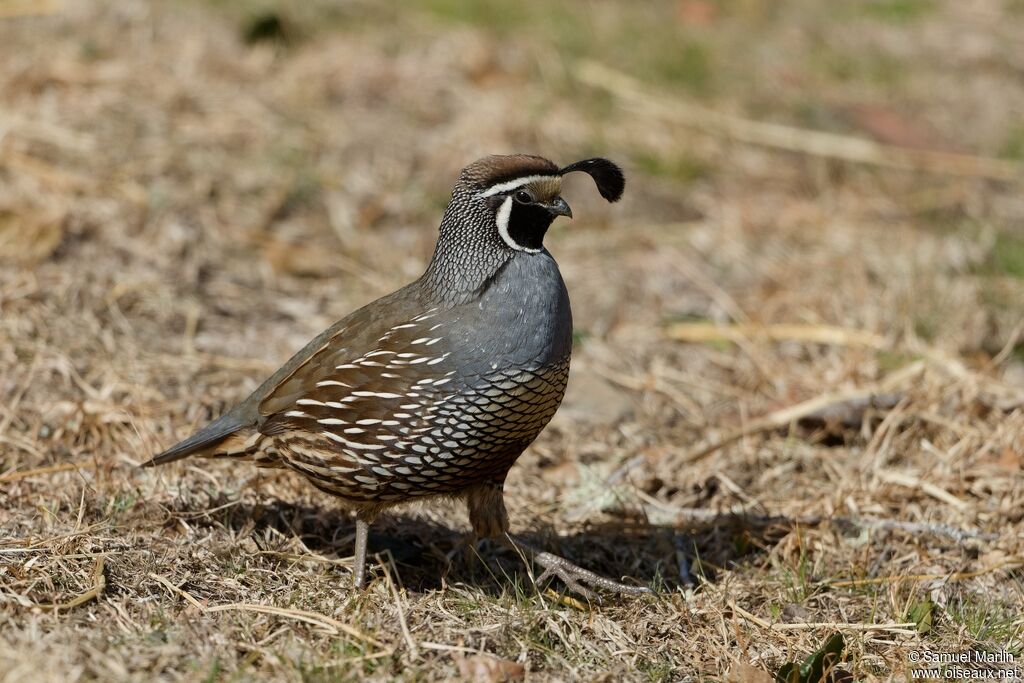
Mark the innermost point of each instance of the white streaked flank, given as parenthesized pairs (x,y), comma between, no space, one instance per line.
(332,383)
(351,444)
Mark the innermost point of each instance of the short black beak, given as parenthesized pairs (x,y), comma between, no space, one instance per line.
(558,207)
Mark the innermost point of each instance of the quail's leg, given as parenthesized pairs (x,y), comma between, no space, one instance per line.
(489,519)
(359,564)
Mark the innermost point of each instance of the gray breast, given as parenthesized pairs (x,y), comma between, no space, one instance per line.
(522,319)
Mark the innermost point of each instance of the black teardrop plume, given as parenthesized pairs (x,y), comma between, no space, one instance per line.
(608,176)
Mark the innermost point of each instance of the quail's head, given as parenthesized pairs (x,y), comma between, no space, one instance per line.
(515,198)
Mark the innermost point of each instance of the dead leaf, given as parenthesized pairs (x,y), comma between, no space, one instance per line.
(289,258)
(1010,460)
(480,63)
(748,673)
(696,12)
(30,235)
(993,558)
(371,212)
(487,669)
(793,613)
(566,473)
(892,128)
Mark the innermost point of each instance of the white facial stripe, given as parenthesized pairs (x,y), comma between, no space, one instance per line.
(513,184)
(504,213)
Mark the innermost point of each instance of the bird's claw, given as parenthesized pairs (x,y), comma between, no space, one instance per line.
(577,578)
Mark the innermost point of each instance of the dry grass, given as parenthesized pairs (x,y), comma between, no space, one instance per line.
(833,441)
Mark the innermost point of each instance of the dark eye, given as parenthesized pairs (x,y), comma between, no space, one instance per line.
(524,197)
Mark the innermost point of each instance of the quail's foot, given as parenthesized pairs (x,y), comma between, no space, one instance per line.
(572,575)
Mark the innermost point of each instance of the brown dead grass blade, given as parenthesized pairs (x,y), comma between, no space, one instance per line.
(701,332)
(904,628)
(37,471)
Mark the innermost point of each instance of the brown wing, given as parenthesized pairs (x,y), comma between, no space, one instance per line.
(347,339)
(339,386)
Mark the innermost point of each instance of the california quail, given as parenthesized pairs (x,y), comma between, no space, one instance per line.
(437,388)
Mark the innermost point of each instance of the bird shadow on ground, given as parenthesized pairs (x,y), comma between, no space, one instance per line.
(427,554)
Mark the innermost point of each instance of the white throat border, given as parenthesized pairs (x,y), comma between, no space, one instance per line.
(502,218)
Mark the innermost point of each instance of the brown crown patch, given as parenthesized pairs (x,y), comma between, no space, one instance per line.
(494,169)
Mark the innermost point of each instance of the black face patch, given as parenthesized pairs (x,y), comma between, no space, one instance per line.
(528,223)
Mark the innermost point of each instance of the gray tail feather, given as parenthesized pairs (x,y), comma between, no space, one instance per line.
(210,435)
